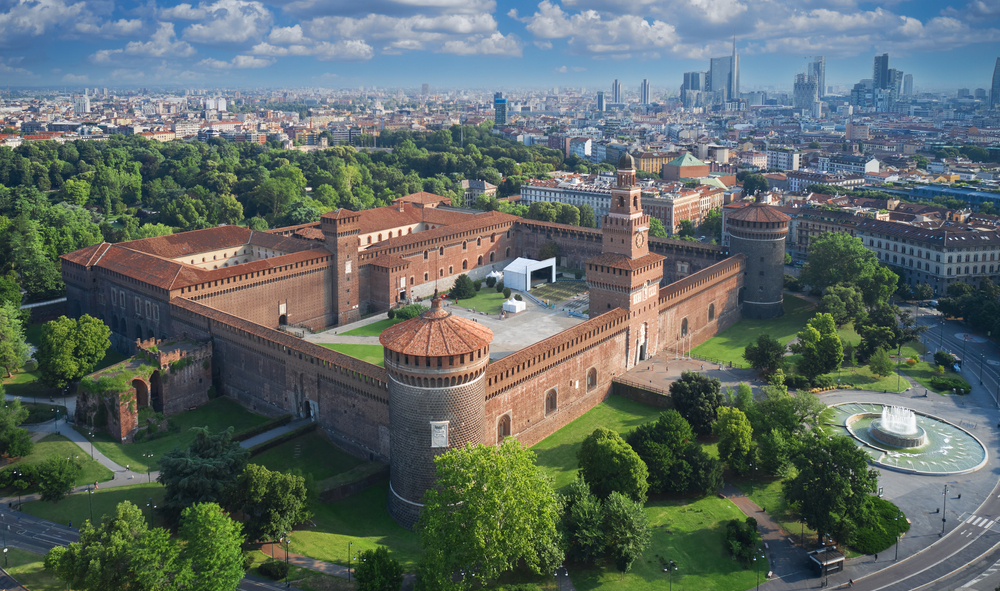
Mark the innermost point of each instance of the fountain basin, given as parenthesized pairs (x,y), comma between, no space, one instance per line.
(918,439)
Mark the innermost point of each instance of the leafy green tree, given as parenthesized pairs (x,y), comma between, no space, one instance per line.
(839,258)
(687,229)
(660,445)
(754,183)
(15,442)
(377,571)
(56,477)
(548,250)
(69,349)
(766,355)
(463,289)
(583,523)
(152,231)
(774,451)
(844,303)
(743,540)
(587,217)
(735,439)
(202,473)
(832,483)
(212,555)
(542,211)
(479,487)
(874,338)
(820,347)
(257,224)
(75,191)
(626,529)
(271,502)
(712,224)
(880,363)
(656,229)
(697,397)
(608,464)
(13,348)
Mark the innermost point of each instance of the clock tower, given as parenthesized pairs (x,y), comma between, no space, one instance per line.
(625,274)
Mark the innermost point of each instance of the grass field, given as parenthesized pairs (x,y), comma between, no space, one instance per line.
(58,446)
(373,354)
(728,345)
(557,292)
(487,300)
(372,330)
(318,457)
(76,507)
(557,452)
(302,578)
(217,415)
(29,570)
(923,371)
(40,413)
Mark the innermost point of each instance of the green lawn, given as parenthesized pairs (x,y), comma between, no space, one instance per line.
(374,329)
(302,578)
(28,569)
(923,371)
(316,457)
(39,413)
(689,532)
(373,354)
(557,452)
(361,519)
(76,507)
(59,446)
(217,415)
(728,345)
(557,292)
(487,300)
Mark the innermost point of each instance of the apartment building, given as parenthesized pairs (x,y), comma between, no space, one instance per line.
(782,159)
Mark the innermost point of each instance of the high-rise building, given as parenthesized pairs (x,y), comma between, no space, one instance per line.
(81,104)
(817,69)
(995,86)
(806,91)
(499,109)
(724,76)
(907,84)
(895,83)
(616,92)
(694,81)
(600,101)
(964,93)
(425,89)
(980,93)
(880,71)
(644,92)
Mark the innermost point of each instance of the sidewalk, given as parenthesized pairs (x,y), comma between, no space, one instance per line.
(785,558)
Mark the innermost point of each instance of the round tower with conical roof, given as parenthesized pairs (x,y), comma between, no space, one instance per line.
(437,399)
(759,231)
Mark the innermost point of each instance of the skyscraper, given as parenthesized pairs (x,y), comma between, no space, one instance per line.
(425,89)
(600,101)
(644,92)
(880,71)
(908,84)
(724,76)
(499,109)
(995,87)
(81,104)
(616,92)
(734,80)
(694,81)
(817,69)
(806,91)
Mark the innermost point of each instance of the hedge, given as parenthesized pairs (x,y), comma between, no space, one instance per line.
(949,384)
(262,447)
(262,428)
(273,569)
(877,536)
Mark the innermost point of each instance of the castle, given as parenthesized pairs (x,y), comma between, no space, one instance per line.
(439,388)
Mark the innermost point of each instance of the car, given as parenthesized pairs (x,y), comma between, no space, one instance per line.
(932,303)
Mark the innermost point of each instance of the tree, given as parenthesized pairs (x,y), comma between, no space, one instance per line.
(13,348)
(627,530)
(492,508)
(609,464)
(765,355)
(656,229)
(548,250)
(832,483)
(814,145)
(820,347)
(687,229)
(660,445)
(75,191)
(15,442)
(56,477)
(735,434)
(711,225)
(377,571)
(844,303)
(583,523)
(742,540)
(69,349)
(839,258)
(701,473)
(773,452)
(880,363)
(202,473)
(587,217)
(271,502)
(697,397)
(212,552)
(463,289)
(257,224)
(754,183)
(122,553)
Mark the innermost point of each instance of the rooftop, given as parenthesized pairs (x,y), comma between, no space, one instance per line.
(436,333)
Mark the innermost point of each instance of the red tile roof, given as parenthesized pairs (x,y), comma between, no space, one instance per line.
(620,261)
(435,333)
(758,212)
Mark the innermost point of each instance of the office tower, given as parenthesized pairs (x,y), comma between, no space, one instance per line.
(616,92)
(724,76)
(964,93)
(425,89)
(694,81)
(81,104)
(806,91)
(817,69)
(908,84)
(600,101)
(980,93)
(895,83)
(499,109)
(734,80)
(995,86)
(880,72)
(644,92)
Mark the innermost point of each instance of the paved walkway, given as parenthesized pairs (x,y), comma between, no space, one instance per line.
(785,558)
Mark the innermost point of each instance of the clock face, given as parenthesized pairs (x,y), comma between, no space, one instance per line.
(639,239)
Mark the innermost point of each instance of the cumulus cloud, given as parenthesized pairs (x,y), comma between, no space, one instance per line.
(589,31)
(343,50)
(38,16)
(240,62)
(163,43)
(495,44)
(184,12)
(286,35)
(104,55)
(119,28)
(74,79)
(9,69)
(228,21)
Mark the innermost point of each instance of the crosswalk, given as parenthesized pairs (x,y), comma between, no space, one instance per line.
(986,573)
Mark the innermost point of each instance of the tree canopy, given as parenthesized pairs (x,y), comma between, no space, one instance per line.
(202,473)
(608,464)
(839,258)
(697,397)
(69,349)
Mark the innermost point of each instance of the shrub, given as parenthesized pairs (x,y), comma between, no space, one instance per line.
(30,365)
(796,382)
(911,362)
(499,287)
(478,284)
(824,382)
(578,274)
(491,281)
(881,532)
(273,569)
(518,297)
(463,289)
(792,283)
(409,311)
(942,383)
(139,435)
(944,358)
(506,292)
(391,313)
(939,369)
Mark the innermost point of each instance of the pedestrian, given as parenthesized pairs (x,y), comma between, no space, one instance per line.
(876,558)
(126,467)
(71,525)
(702,367)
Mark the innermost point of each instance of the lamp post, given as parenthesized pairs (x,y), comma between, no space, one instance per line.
(944,512)
(753,478)
(148,455)
(671,567)
(759,553)
(18,474)
(349,546)
(982,361)
(897,536)
(90,495)
(287,540)
(55,420)
(151,508)
(92,456)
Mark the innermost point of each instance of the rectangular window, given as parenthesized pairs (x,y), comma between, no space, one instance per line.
(156,312)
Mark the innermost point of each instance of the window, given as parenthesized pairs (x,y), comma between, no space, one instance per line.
(503,428)
(465,245)
(465,265)
(425,255)
(684,327)
(949,270)
(156,312)
(966,269)
(550,401)
(491,257)
(479,263)
(425,276)
(369,240)
(441,251)
(122,298)
(138,306)
(479,241)
(591,378)
(440,272)
(711,312)
(450,272)
(380,237)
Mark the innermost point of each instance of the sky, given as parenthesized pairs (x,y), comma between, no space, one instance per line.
(504,44)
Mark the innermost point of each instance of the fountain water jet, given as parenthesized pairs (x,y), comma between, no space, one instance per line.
(898,426)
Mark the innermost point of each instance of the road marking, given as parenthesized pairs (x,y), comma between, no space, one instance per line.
(50,539)
(989,525)
(978,521)
(971,517)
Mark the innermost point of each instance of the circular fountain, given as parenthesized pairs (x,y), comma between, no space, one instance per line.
(898,426)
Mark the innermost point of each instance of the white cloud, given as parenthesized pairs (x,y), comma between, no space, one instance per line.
(240,62)
(230,21)
(119,28)
(163,43)
(495,44)
(126,74)
(591,32)
(74,79)
(286,35)
(8,69)
(214,63)
(183,12)
(346,50)
(104,55)
(265,48)
(37,16)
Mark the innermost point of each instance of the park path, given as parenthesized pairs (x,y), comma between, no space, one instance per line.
(783,556)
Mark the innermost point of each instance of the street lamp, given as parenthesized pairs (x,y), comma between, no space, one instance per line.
(349,546)
(759,553)
(148,455)
(287,539)
(90,495)
(55,420)
(753,478)
(944,512)
(18,474)
(151,508)
(897,536)
(671,567)
(92,456)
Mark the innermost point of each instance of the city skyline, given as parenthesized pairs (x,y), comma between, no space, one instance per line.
(400,43)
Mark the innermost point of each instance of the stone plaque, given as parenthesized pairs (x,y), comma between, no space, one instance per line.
(439,433)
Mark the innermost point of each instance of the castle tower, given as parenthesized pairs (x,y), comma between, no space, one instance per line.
(341,229)
(437,392)
(625,274)
(759,231)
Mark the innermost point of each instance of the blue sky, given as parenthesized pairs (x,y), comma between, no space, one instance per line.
(486,43)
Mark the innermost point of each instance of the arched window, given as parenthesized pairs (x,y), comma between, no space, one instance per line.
(711,312)
(621,202)
(380,237)
(480,262)
(503,428)
(493,237)
(425,255)
(450,271)
(550,401)
(465,245)
(684,327)
(425,276)
(966,269)
(635,202)
(508,253)
(441,251)
(440,272)
(591,378)
(465,265)
(491,257)
(369,240)
(409,230)
(479,241)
